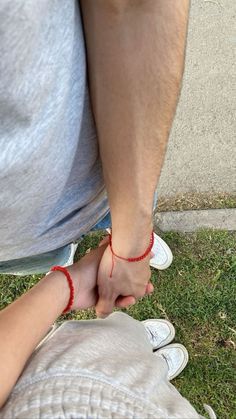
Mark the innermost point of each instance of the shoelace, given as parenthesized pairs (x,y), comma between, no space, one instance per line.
(168,360)
(152,332)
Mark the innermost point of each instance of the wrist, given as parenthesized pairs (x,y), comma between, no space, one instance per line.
(57,285)
(132,240)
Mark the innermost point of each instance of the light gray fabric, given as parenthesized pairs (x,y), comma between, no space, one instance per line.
(96,369)
(51,185)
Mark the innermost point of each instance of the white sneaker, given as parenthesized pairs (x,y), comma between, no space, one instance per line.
(160,332)
(163,257)
(176,357)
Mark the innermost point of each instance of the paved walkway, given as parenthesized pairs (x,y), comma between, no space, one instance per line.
(202,149)
(189,221)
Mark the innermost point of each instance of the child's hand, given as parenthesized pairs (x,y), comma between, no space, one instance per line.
(84,275)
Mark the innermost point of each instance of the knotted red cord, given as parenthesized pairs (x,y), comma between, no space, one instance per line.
(133,259)
(70,283)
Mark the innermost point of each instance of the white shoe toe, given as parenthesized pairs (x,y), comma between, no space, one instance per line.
(176,357)
(160,332)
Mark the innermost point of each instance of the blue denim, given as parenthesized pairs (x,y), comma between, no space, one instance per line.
(42,263)
(104,223)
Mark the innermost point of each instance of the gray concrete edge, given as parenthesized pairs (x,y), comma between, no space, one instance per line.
(192,220)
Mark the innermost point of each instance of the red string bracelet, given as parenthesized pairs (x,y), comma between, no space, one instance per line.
(133,259)
(70,283)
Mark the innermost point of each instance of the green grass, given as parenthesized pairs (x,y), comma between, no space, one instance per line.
(197,294)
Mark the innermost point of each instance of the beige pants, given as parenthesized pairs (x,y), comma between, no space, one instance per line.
(97,369)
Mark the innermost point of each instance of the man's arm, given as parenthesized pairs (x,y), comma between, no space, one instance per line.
(135,58)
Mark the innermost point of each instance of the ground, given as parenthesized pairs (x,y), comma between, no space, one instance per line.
(197,294)
(202,147)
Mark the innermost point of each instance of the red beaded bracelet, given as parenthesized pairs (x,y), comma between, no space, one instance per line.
(133,259)
(70,283)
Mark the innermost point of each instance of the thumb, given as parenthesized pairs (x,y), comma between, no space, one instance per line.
(105,306)
(149,288)
(123,302)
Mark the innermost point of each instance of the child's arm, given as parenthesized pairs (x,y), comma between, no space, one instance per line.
(26,321)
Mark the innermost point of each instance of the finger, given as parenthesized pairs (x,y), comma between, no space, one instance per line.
(140,293)
(104,241)
(105,306)
(149,288)
(123,302)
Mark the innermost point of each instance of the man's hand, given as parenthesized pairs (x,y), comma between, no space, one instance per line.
(84,275)
(129,280)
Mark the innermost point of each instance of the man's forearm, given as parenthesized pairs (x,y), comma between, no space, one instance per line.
(135,58)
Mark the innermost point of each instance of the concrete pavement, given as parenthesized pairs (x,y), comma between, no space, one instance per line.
(201,155)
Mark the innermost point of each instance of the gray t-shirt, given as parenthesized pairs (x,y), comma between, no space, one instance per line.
(51,184)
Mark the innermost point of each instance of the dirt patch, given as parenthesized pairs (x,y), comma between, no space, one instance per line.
(195,201)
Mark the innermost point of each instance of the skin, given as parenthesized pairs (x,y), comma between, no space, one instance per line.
(135,52)
(25,322)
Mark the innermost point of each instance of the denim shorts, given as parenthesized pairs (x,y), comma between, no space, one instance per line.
(42,263)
